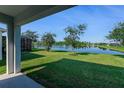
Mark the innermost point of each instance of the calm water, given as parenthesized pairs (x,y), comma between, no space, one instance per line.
(87,50)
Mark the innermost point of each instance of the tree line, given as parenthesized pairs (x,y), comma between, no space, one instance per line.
(72,38)
(117,34)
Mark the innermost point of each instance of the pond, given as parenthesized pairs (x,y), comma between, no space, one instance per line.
(87,50)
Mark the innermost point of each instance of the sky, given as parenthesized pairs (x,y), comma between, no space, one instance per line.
(99,20)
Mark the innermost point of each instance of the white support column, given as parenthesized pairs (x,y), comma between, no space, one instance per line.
(10,49)
(0,45)
(13,49)
(17,49)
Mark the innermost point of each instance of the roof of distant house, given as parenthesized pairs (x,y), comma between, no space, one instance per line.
(3,30)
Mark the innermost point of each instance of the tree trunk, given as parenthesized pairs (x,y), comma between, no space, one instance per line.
(122,42)
(48,49)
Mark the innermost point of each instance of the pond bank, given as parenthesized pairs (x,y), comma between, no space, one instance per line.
(115,48)
(98,50)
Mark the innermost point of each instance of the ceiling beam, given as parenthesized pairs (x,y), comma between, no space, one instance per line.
(6,19)
(36,12)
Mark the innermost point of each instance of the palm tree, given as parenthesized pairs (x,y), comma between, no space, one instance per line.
(48,40)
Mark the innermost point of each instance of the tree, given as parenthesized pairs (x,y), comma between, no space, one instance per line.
(31,35)
(73,35)
(48,40)
(60,43)
(117,34)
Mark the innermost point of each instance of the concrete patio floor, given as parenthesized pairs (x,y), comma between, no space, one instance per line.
(17,81)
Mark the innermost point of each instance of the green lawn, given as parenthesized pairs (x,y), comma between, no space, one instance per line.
(61,69)
(2,67)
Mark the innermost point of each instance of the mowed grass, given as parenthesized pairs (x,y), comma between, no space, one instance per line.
(61,69)
(2,66)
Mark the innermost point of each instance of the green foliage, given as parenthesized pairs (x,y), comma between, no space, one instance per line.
(48,40)
(59,43)
(30,34)
(96,44)
(73,34)
(79,44)
(37,44)
(117,34)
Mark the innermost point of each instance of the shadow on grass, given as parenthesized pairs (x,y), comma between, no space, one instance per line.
(85,53)
(73,73)
(28,56)
(121,56)
(2,66)
(36,49)
(59,51)
(2,62)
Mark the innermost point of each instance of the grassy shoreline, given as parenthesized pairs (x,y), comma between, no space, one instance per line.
(116,48)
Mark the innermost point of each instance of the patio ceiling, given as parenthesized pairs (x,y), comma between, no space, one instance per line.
(23,14)
(13,10)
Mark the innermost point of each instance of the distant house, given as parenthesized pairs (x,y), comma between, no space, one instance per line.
(114,44)
(26,44)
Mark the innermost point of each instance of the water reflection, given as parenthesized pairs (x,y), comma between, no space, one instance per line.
(86,49)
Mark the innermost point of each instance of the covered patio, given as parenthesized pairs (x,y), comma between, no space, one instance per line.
(17,81)
(15,16)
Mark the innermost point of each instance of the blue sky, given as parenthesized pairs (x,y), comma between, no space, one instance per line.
(99,19)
